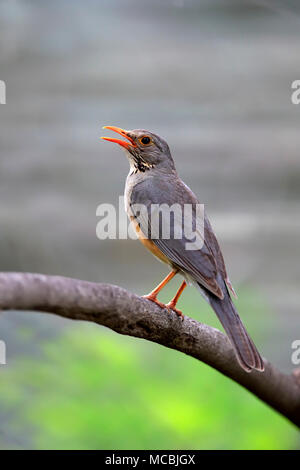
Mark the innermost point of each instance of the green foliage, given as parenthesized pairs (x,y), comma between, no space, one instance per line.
(94,389)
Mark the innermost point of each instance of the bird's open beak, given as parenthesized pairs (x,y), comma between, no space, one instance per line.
(123,133)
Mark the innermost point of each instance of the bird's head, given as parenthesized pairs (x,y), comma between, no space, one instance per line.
(144,149)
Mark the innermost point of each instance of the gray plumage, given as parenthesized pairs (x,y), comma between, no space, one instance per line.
(153,180)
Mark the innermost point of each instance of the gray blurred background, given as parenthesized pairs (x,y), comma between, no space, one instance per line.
(213,78)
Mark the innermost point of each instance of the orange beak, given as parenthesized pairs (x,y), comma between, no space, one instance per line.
(123,133)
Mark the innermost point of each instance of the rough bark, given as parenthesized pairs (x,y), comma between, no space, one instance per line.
(131,315)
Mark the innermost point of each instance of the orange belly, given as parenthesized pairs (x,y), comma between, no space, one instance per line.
(149,244)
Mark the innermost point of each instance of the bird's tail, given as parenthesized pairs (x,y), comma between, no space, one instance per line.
(246,352)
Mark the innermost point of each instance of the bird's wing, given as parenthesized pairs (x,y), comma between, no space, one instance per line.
(199,265)
(203,264)
(215,248)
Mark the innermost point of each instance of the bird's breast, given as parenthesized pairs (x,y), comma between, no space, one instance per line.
(149,244)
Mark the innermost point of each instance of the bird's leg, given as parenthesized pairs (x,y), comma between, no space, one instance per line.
(173,302)
(153,294)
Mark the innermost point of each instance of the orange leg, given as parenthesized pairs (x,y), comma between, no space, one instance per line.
(173,302)
(153,295)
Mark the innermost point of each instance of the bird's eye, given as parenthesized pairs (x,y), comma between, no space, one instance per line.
(145,140)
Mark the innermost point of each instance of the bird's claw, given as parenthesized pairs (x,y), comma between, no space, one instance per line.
(169,306)
(154,299)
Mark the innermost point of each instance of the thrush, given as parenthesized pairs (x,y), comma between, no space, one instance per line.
(153,181)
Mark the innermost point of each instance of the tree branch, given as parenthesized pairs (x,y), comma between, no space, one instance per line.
(131,315)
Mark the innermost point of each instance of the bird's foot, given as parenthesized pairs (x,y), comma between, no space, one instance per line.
(154,299)
(171,306)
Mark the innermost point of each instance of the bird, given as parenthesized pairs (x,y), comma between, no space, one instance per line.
(153,181)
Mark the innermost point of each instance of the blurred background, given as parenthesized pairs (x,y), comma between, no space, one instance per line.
(214,79)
